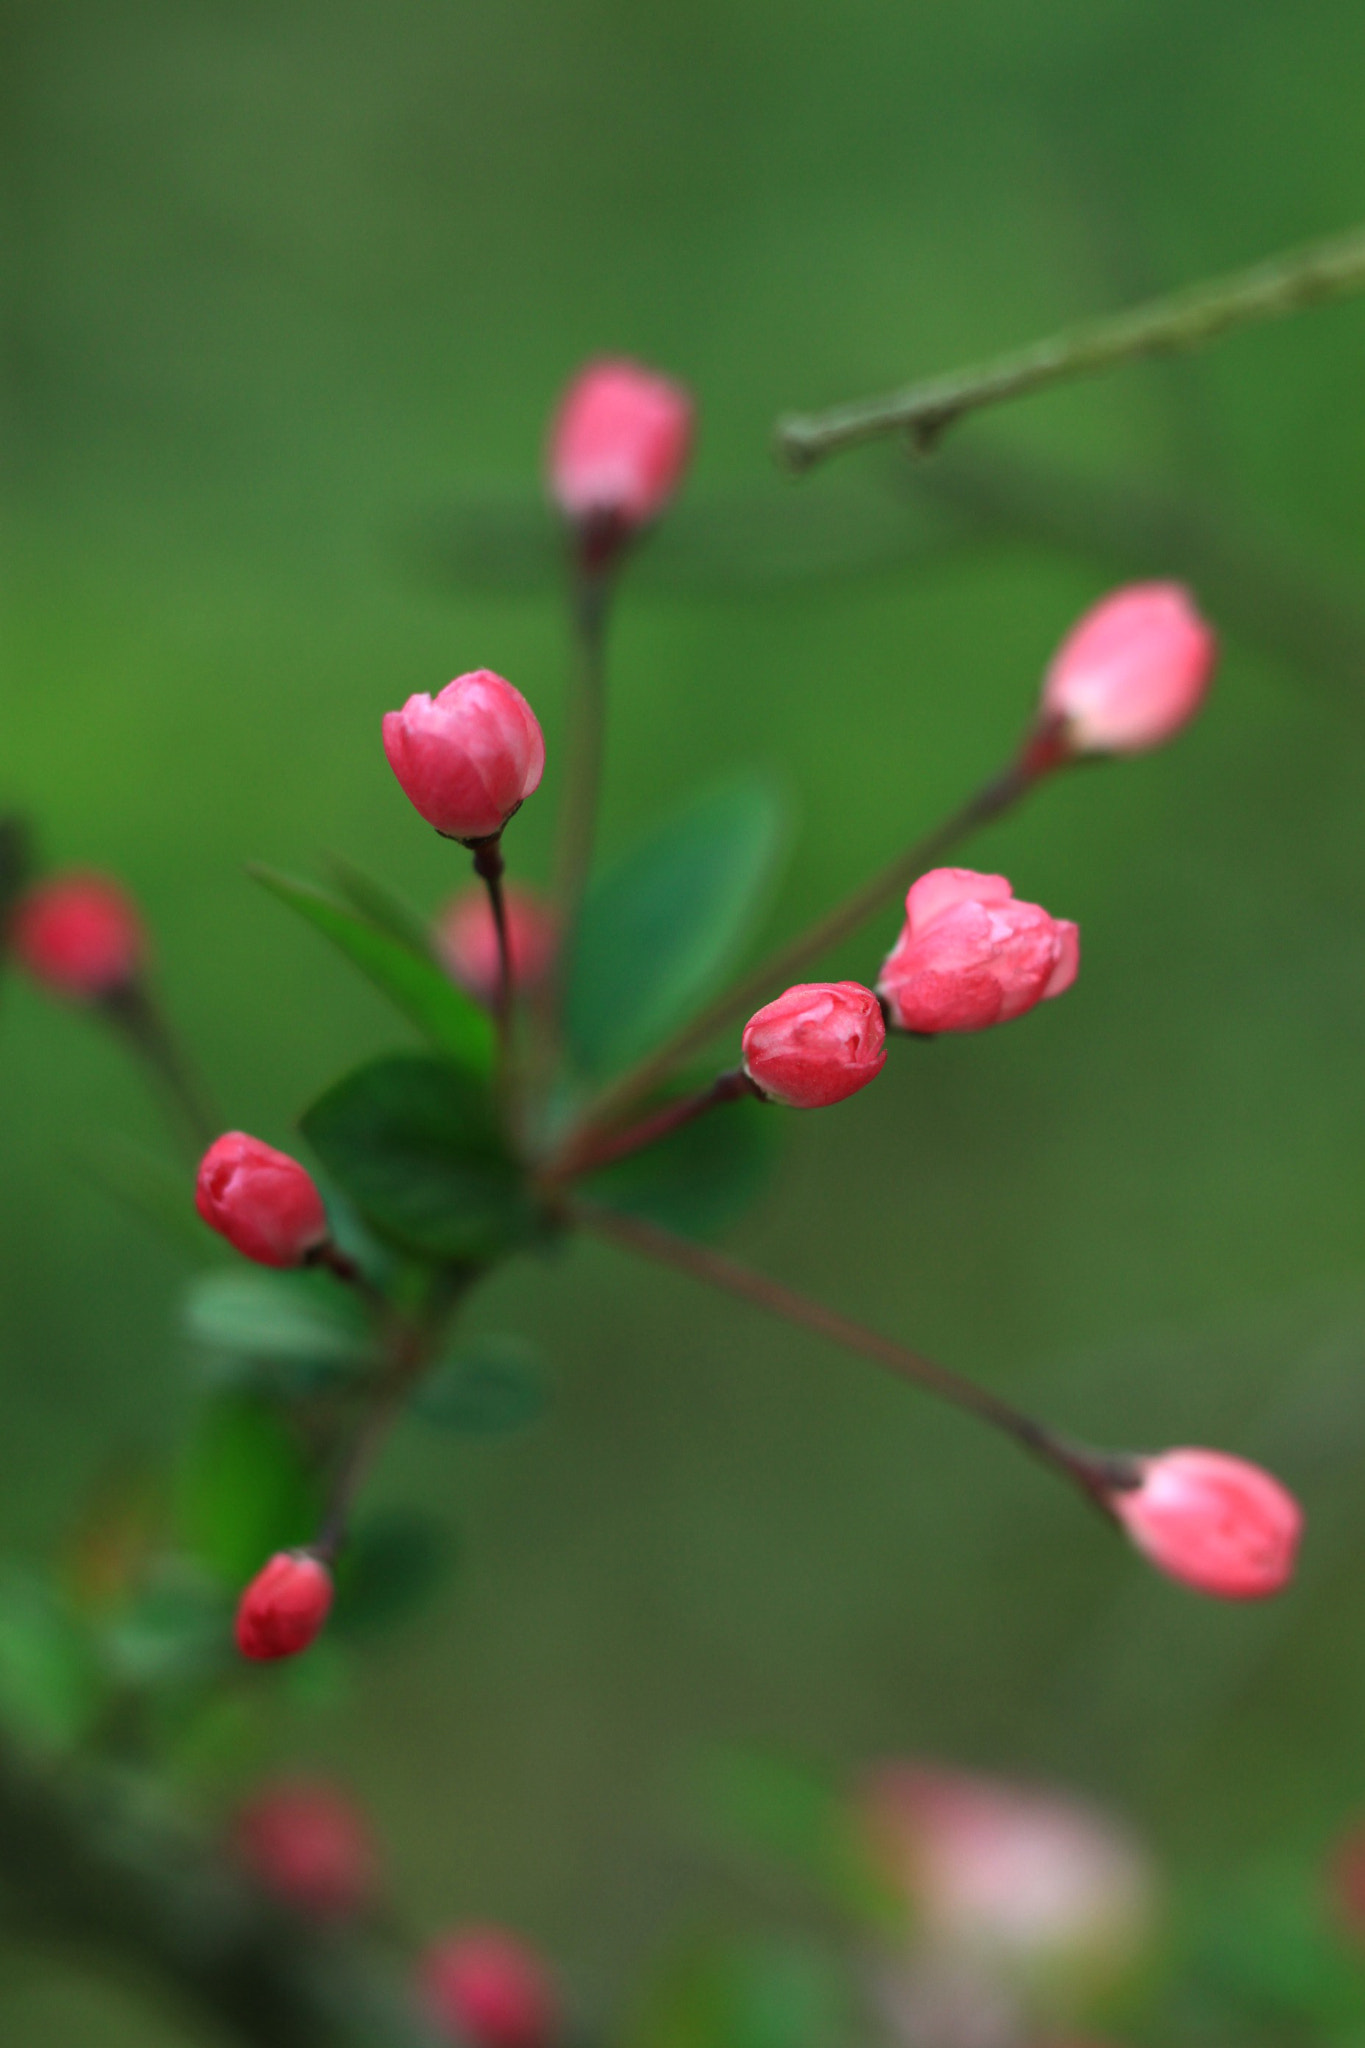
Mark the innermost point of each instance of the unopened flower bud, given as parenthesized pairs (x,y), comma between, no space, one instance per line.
(483,1986)
(819,1042)
(618,445)
(263,1202)
(970,955)
(309,1845)
(283,1609)
(1213,1522)
(468,758)
(1131,672)
(467,941)
(79,935)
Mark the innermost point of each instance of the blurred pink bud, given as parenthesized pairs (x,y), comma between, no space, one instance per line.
(970,955)
(263,1202)
(484,1986)
(1213,1522)
(467,941)
(308,1844)
(468,758)
(819,1042)
(283,1609)
(1131,672)
(79,935)
(618,444)
(1029,1879)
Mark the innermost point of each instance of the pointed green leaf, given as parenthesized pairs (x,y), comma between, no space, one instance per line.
(489,1386)
(413,1142)
(380,906)
(659,928)
(246,1489)
(411,980)
(296,1319)
(51,1688)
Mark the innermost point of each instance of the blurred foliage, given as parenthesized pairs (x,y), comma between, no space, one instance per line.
(287,294)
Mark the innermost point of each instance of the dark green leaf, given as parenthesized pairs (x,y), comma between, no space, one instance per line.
(660,927)
(50,1685)
(246,1489)
(702,1178)
(411,980)
(381,906)
(392,1564)
(294,1319)
(489,1386)
(414,1144)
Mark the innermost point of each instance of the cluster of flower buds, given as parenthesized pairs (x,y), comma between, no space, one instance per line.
(80,936)
(467,941)
(1212,1521)
(482,1986)
(307,1843)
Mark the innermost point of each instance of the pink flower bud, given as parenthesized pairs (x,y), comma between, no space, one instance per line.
(484,1986)
(307,1844)
(1131,672)
(1213,1522)
(971,955)
(618,444)
(1019,1877)
(79,935)
(467,941)
(819,1042)
(263,1202)
(468,758)
(283,1609)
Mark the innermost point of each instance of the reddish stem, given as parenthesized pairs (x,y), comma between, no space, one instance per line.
(594,1153)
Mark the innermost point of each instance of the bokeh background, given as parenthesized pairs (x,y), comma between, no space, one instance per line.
(288,293)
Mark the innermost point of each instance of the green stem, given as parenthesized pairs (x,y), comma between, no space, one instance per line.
(1185,320)
(134,1012)
(781,968)
(586,739)
(1095,1472)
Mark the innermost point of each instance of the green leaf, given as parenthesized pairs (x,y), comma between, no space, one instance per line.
(391,1566)
(799,1819)
(51,1688)
(246,1489)
(178,1628)
(414,1144)
(703,1177)
(304,1319)
(489,1386)
(381,906)
(659,928)
(410,979)
(731,1993)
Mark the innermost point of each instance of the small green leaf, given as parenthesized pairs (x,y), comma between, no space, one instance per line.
(410,979)
(703,1177)
(489,1386)
(50,1685)
(246,1489)
(287,1318)
(391,1566)
(414,1143)
(659,928)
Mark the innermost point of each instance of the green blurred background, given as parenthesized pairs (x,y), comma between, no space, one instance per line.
(285,289)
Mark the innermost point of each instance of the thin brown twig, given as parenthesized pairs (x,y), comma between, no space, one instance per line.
(1097,1473)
